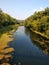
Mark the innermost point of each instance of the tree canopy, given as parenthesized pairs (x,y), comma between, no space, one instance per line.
(6,19)
(39,21)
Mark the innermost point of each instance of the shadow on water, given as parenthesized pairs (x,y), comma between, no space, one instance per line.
(40,42)
(26,52)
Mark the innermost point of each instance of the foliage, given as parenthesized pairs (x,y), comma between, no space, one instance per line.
(7,23)
(6,20)
(39,21)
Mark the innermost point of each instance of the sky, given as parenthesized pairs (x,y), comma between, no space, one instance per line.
(21,9)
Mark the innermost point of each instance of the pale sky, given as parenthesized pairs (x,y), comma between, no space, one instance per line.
(21,9)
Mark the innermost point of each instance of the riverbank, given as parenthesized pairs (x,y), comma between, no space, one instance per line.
(8,29)
(5,50)
(38,33)
(42,41)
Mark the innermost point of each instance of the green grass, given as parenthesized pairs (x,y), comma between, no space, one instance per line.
(7,29)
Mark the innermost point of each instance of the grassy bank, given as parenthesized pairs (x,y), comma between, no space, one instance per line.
(5,38)
(41,40)
(7,29)
(38,33)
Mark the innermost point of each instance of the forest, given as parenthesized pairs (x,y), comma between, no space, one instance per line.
(39,22)
(7,22)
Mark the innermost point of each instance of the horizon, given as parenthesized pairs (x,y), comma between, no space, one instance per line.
(21,9)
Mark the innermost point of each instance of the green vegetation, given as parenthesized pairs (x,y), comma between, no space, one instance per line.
(39,22)
(7,22)
(7,27)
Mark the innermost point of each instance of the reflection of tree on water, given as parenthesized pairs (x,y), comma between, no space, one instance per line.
(40,41)
(27,32)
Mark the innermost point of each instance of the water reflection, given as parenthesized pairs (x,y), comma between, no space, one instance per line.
(42,43)
(26,51)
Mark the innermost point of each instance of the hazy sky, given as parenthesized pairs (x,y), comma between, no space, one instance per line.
(21,9)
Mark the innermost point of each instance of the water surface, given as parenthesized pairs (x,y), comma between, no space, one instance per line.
(26,52)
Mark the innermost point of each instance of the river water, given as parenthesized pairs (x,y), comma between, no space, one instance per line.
(26,53)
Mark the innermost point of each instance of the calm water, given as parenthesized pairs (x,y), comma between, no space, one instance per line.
(26,52)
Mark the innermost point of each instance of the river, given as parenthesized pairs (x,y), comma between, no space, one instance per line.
(26,53)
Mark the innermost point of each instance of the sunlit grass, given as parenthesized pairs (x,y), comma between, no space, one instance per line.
(3,44)
(5,38)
